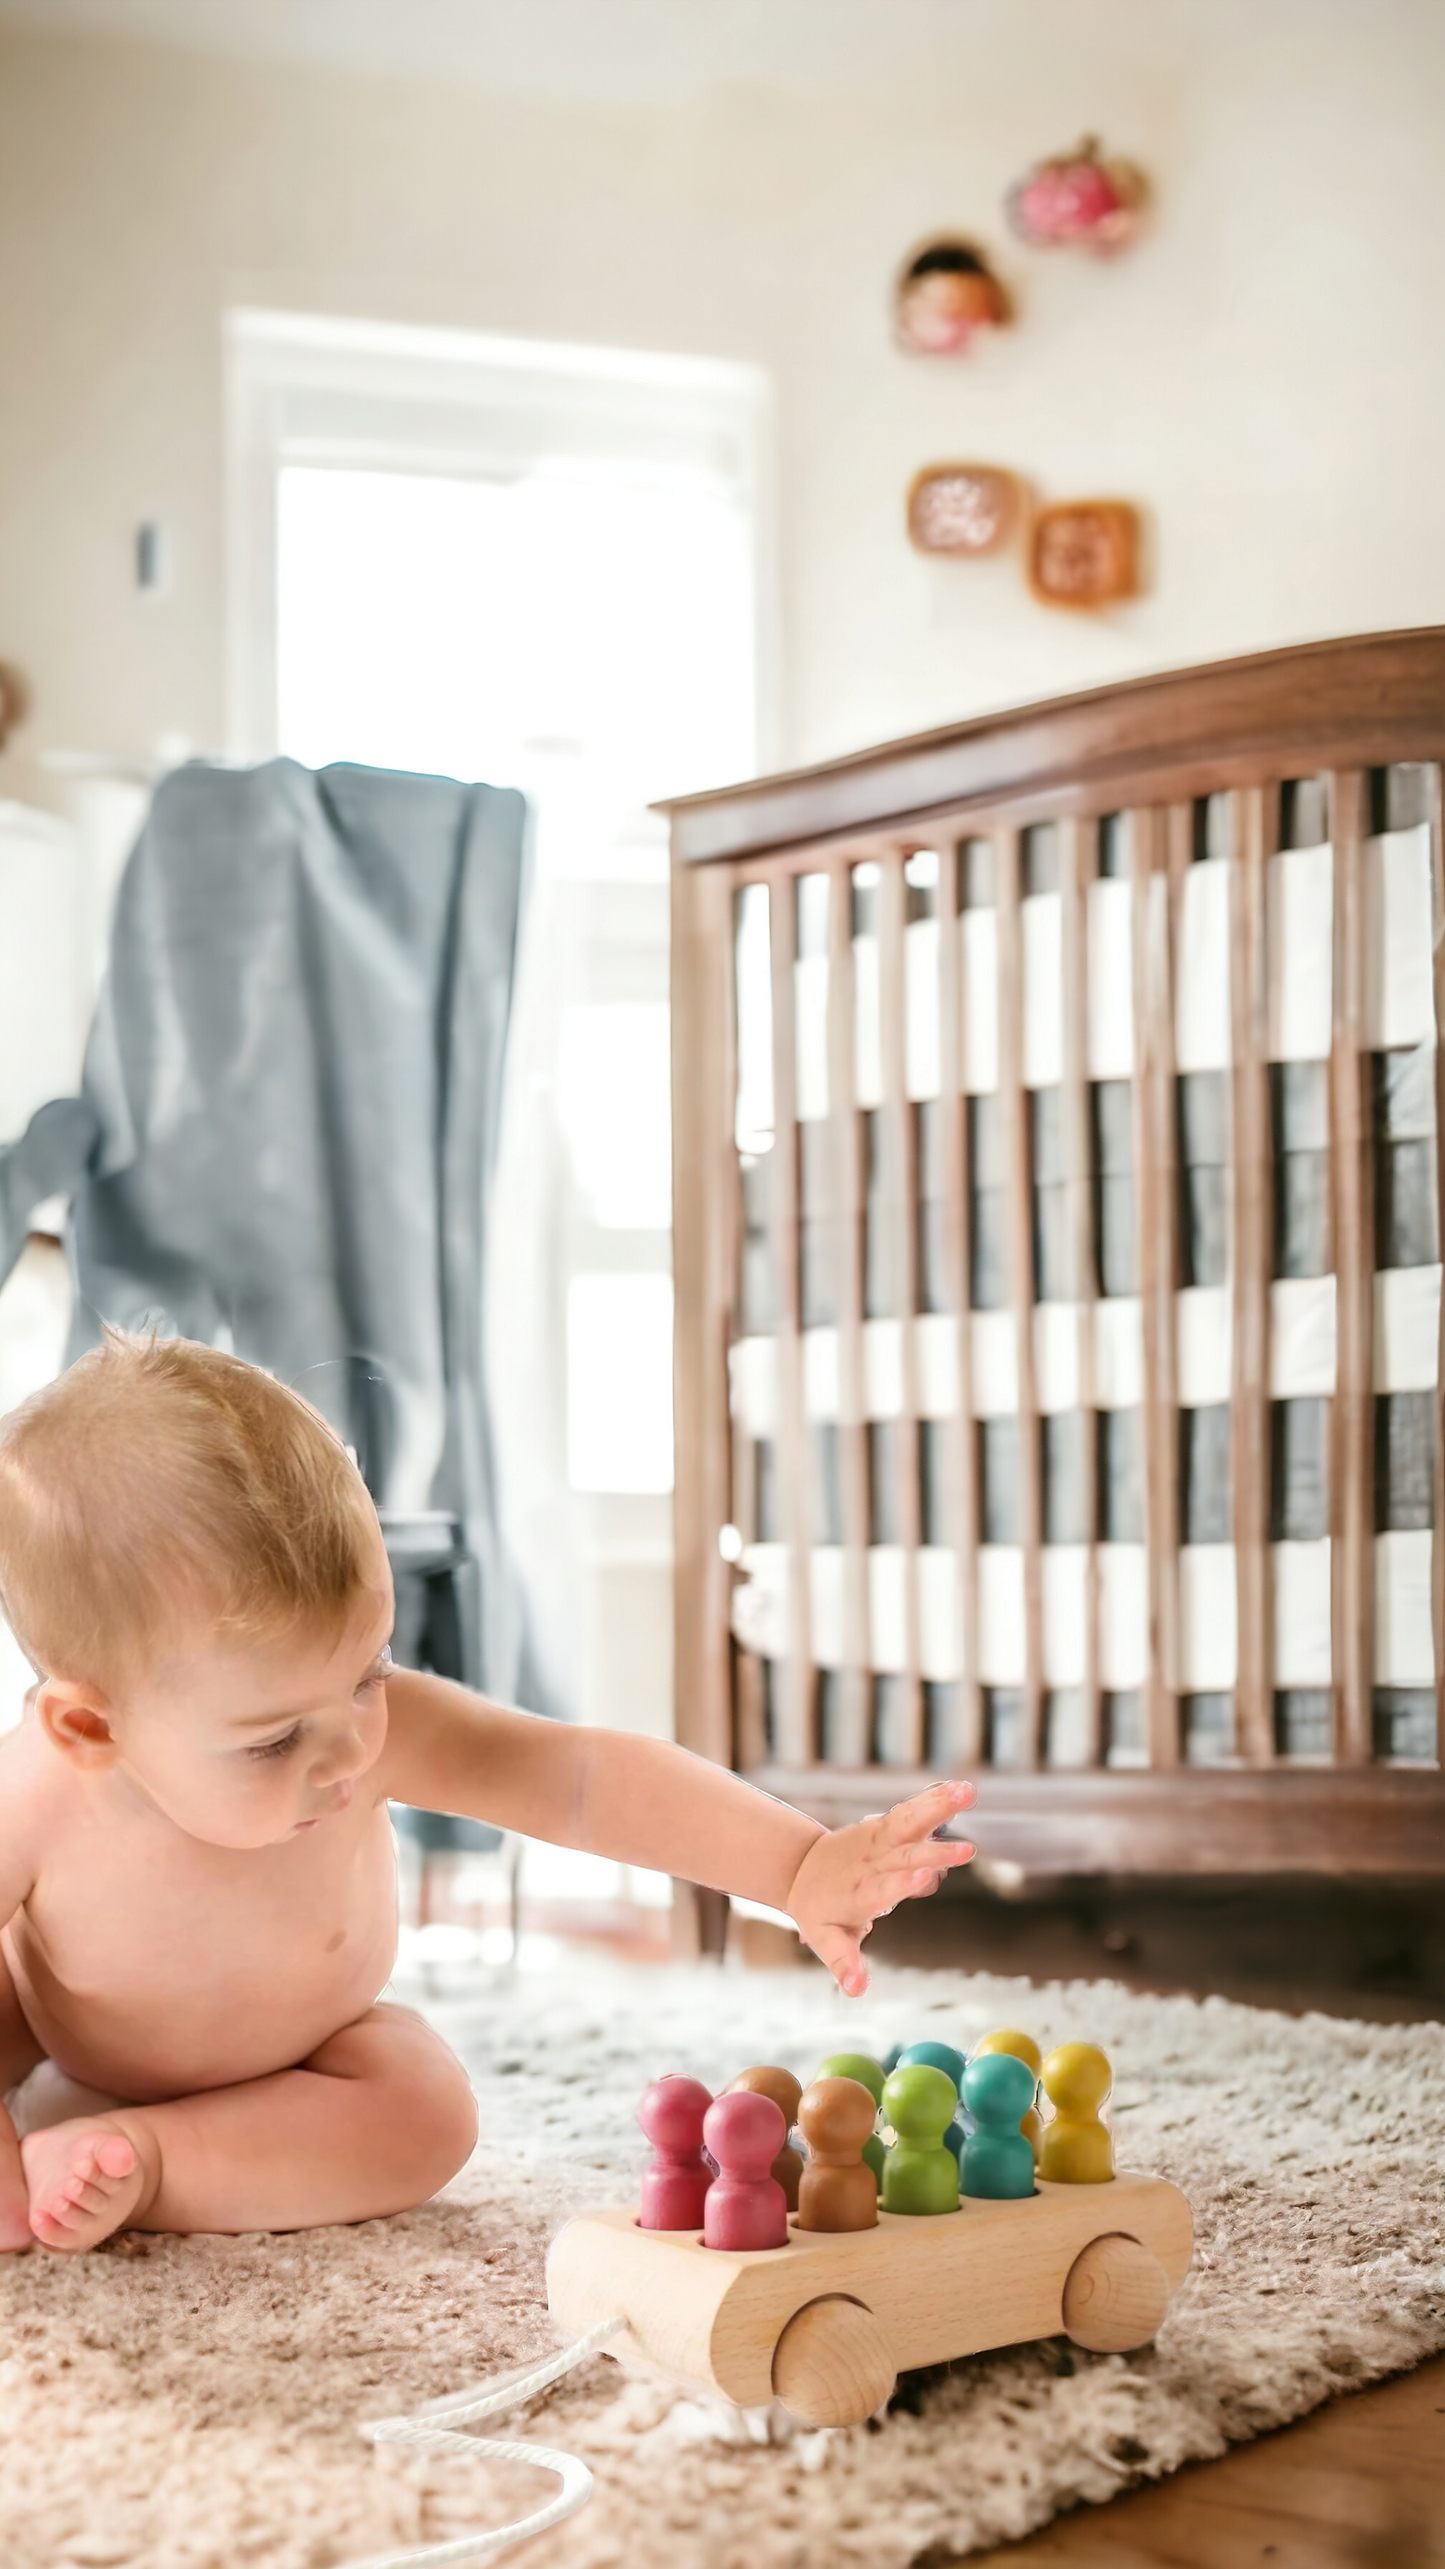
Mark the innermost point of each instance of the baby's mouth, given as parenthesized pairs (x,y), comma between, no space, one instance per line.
(341,1802)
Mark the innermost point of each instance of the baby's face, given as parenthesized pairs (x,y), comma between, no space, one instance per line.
(253,1744)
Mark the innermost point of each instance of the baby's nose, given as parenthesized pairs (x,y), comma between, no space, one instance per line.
(346,1756)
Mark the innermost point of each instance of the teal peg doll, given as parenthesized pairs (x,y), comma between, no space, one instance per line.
(920,2173)
(934,2056)
(998,2092)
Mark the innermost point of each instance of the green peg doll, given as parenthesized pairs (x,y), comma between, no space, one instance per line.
(941,2056)
(920,2173)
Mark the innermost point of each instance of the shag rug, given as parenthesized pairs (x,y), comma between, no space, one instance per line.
(193,2403)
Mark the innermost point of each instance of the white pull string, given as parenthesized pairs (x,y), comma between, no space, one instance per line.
(425,2433)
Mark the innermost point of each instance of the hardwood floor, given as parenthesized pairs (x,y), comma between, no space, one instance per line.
(1360,2485)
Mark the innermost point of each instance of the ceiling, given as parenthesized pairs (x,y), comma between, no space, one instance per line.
(627,51)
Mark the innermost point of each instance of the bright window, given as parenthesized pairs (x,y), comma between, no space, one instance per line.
(619,1383)
(614,1103)
(588,639)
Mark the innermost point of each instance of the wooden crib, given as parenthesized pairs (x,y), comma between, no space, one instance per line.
(1057,1130)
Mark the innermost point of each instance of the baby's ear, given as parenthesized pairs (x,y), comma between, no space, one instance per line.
(78,1721)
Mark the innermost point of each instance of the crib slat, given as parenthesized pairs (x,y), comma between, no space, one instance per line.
(1014,1104)
(850,1746)
(908,1743)
(961,1443)
(1160,853)
(1352,1459)
(1078,865)
(1437,1548)
(705,1255)
(794,1679)
(1254,814)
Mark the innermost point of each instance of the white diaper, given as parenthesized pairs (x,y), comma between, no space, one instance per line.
(47,2097)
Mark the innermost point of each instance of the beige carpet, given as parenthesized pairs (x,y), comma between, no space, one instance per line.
(191,2404)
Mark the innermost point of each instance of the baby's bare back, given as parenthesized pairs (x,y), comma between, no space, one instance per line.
(150,1964)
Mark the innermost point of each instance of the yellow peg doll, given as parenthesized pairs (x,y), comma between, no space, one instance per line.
(1020,2047)
(1077,2148)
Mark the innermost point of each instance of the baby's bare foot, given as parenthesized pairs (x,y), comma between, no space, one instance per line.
(85,2180)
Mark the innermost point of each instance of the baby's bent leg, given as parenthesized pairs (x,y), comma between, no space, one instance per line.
(375,2121)
(19,2055)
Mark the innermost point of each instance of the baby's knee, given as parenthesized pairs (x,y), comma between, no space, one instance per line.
(421,2115)
(445,2112)
(453,2115)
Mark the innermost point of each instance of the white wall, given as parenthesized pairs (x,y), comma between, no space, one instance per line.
(34,1324)
(1266,373)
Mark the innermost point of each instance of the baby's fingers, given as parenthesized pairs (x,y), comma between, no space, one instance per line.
(839,1948)
(926,1812)
(940,1855)
(887,1889)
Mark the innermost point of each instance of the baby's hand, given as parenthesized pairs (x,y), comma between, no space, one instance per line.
(852,1876)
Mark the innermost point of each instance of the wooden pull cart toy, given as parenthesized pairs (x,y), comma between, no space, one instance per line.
(827,2323)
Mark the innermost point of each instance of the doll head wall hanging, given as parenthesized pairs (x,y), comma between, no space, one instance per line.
(945,296)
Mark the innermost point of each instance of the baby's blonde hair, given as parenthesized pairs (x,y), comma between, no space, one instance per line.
(159,1487)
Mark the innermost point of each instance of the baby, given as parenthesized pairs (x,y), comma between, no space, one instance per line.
(197,1874)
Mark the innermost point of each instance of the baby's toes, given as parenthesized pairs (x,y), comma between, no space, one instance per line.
(61,2197)
(74,2183)
(54,2219)
(96,2168)
(81,2195)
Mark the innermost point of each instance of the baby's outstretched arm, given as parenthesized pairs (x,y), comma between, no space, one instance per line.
(645,1802)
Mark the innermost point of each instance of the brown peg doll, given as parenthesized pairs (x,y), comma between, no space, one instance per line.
(839,2191)
(785,2090)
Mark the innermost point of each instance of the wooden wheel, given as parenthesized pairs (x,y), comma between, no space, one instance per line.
(1115,2295)
(831,2365)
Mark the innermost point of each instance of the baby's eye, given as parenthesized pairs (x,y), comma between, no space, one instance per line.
(385,1667)
(277,1747)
